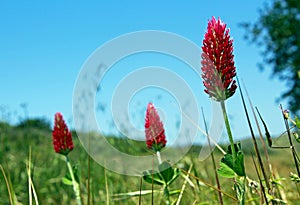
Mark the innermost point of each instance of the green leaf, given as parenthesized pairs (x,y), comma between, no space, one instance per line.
(297,122)
(166,171)
(69,178)
(225,171)
(166,175)
(227,159)
(153,177)
(67,181)
(237,166)
(76,173)
(176,174)
(237,148)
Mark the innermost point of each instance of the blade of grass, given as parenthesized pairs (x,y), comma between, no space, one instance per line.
(274,185)
(140,196)
(195,171)
(89,174)
(268,134)
(281,191)
(122,196)
(212,158)
(297,156)
(208,185)
(260,181)
(7,185)
(290,140)
(106,187)
(259,130)
(269,138)
(184,185)
(204,133)
(253,138)
(31,188)
(28,173)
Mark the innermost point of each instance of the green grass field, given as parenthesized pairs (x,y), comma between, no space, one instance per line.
(48,168)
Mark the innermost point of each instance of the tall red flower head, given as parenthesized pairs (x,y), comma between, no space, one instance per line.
(217,61)
(154,129)
(62,137)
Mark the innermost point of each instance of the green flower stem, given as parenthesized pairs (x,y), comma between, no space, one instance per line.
(158,157)
(228,130)
(166,189)
(167,194)
(75,183)
(240,185)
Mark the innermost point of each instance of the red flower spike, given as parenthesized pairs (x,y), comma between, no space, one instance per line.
(62,137)
(217,61)
(154,129)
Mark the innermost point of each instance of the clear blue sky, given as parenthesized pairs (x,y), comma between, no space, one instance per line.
(43,46)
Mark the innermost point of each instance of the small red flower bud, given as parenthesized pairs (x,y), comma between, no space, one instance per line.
(61,136)
(154,130)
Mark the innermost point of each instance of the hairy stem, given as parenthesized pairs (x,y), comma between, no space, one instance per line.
(158,157)
(167,194)
(228,130)
(75,183)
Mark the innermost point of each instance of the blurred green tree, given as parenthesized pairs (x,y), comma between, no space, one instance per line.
(277,30)
(39,123)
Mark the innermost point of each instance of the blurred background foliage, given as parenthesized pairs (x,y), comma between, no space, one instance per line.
(48,169)
(276,31)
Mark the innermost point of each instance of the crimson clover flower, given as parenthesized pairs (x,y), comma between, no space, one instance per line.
(62,137)
(154,129)
(217,61)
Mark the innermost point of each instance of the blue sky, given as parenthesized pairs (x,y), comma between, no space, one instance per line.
(43,46)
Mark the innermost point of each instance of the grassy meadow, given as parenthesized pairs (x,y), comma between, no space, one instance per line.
(26,154)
